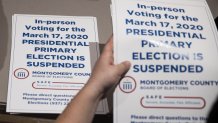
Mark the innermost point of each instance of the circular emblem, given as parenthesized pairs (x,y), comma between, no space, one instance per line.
(127,84)
(21,73)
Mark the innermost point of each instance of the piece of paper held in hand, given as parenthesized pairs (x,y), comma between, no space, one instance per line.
(172,46)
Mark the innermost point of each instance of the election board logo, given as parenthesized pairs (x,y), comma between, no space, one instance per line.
(21,73)
(127,84)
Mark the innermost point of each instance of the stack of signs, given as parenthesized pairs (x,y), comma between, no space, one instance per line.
(172,46)
(51,60)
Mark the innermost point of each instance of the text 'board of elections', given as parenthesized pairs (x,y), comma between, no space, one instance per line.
(51,60)
(172,46)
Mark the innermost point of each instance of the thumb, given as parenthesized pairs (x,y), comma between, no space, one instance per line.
(123,68)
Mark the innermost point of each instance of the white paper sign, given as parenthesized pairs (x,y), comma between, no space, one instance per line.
(51,60)
(172,46)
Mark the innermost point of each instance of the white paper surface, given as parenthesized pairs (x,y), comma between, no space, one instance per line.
(50,62)
(172,46)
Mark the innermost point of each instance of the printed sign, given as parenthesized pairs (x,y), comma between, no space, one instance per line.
(51,60)
(172,46)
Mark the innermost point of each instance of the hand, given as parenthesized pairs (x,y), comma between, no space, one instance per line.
(106,74)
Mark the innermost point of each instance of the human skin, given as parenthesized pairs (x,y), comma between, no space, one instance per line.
(105,77)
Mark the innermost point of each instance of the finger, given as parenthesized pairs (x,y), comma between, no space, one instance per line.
(107,54)
(123,68)
(109,45)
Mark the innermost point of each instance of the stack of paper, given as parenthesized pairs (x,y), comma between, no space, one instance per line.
(172,46)
(51,60)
